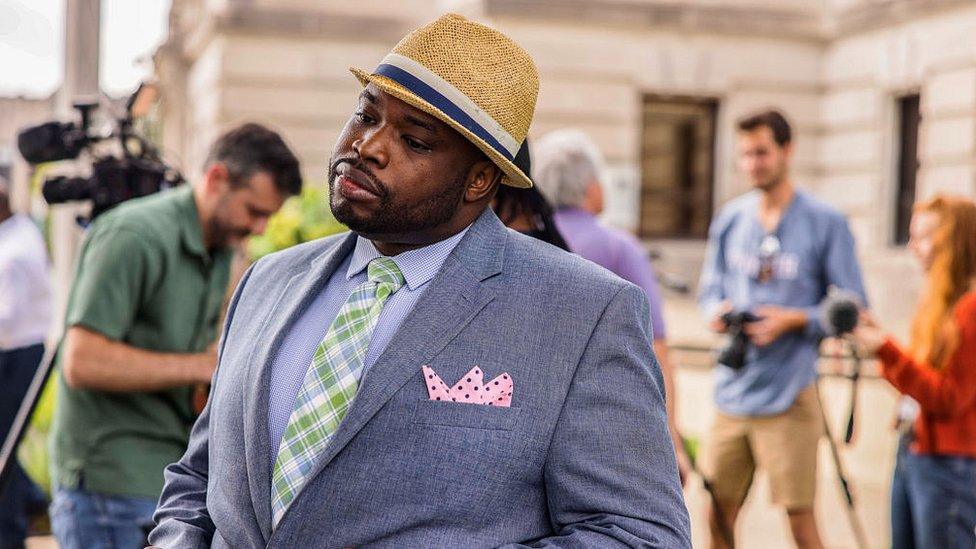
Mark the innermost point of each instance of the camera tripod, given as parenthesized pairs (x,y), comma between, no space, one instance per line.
(845,486)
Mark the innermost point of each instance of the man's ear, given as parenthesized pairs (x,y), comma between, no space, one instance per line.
(483,178)
(788,150)
(216,179)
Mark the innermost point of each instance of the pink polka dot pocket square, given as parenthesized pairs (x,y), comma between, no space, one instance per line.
(470,389)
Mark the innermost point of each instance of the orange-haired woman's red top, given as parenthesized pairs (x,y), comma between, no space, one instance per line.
(947,397)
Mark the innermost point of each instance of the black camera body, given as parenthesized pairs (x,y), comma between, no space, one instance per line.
(733,355)
(138,171)
(838,314)
(113,181)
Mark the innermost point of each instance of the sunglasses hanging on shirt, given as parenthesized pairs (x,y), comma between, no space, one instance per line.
(769,249)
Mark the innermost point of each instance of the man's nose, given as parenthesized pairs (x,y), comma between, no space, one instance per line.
(372,146)
(259,225)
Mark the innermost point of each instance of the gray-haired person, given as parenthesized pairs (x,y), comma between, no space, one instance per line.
(568,169)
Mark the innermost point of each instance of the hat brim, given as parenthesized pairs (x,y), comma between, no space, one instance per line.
(512,177)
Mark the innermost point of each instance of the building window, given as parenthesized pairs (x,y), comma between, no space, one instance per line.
(677,159)
(909,117)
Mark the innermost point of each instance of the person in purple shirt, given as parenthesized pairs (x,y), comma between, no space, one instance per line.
(567,168)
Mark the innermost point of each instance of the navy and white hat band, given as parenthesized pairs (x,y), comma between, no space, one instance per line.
(433,89)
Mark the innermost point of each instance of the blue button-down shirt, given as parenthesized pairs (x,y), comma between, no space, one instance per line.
(816,252)
(295,355)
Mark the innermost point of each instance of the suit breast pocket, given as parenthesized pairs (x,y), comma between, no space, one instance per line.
(471,416)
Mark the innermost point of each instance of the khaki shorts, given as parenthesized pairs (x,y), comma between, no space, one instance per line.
(783,445)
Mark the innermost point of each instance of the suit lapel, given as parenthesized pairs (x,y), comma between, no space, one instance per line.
(454,297)
(298,293)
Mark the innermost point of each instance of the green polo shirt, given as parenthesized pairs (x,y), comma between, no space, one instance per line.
(143,278)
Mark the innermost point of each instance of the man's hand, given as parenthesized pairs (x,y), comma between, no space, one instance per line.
(773,323)
(716,324)
(206,364)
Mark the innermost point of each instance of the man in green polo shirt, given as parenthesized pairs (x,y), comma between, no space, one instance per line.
(140,332)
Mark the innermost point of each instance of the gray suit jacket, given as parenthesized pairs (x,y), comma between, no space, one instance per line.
(582,458)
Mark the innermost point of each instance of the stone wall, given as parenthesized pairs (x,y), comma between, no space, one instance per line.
(863,73)
(836,72)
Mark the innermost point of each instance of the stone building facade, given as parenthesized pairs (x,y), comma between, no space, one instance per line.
(658,84)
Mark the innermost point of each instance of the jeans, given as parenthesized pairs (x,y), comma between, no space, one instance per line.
(87,520)
(17,368)
(933,501)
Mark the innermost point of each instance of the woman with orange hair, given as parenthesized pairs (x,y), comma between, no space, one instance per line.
(933,496)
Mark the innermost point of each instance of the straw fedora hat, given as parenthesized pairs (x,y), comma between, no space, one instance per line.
(470,76)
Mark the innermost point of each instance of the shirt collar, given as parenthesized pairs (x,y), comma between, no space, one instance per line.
(191,230)
(418,266)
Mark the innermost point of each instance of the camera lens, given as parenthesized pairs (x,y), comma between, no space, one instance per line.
(49,142)
(66,189)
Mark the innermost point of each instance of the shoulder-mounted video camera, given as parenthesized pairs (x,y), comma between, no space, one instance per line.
(138,170)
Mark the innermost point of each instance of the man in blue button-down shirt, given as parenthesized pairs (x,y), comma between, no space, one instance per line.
(773,252)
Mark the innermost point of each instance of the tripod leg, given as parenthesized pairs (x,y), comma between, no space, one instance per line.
(852,517)
(855,379)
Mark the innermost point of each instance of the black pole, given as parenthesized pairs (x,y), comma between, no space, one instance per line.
(855,378)
(845,486)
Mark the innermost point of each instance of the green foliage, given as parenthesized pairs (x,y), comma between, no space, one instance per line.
(302,218)
(691,447)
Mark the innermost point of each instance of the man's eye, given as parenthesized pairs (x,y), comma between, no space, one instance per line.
(363,118)
(416,145)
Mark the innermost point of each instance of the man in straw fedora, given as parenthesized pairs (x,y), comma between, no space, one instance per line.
(431,379)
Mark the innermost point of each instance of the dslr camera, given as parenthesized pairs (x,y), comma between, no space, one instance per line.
(137,170)
(733,355)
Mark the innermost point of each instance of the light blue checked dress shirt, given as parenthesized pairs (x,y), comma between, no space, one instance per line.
(295,354)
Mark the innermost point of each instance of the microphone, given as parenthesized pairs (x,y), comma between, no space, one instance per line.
(839,312)
(839,315)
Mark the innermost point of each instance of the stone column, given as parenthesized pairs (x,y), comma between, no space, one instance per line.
(81,47)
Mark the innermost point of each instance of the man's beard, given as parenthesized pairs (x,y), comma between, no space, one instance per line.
(221,233)
(771,182)
(391,218)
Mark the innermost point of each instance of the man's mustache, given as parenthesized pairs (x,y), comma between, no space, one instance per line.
(378,186)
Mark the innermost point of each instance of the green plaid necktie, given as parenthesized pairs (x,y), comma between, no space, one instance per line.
(330,384)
